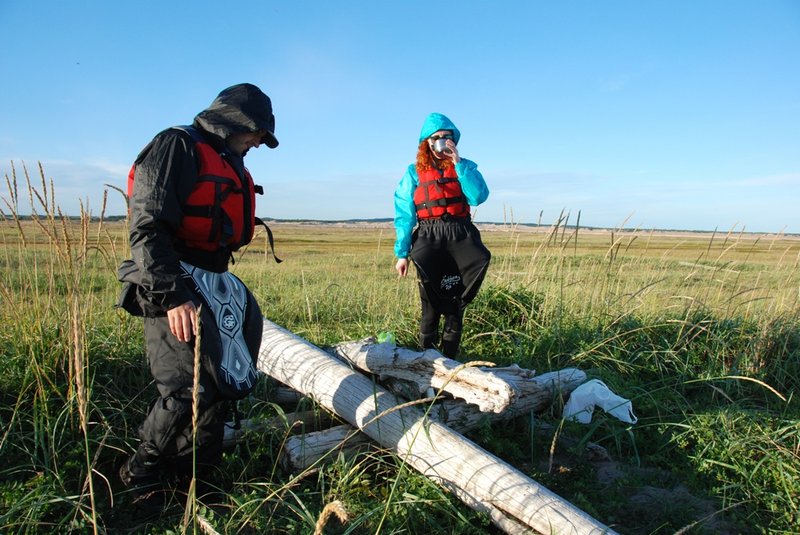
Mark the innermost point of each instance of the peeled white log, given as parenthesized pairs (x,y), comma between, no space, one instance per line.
(302,451)
(536,395)
(303,421)
(430,369)
(481,480)
(528,390)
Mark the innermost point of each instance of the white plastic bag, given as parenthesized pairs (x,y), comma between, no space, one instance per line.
(582,401)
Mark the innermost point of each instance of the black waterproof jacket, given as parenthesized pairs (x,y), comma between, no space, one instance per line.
(165,173)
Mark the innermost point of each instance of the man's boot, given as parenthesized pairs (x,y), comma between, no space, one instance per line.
(140,469)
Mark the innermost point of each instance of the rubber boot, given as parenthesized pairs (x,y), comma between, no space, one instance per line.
(427,340)
(428,326)
(141,469)
(451,337)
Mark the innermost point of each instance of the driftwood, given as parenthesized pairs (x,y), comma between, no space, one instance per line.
(529,392)
(515,502)
(283,395)
(300,422)
(311,443)
(301,451)
(304,450)
(430,369)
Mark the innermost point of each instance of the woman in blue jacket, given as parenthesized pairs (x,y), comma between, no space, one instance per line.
(451,261)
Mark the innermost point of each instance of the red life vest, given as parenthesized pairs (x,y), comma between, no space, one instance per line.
(220,210)
(439,193)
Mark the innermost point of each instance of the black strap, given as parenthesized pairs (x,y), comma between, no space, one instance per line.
(441,179)
(197,211)
(271,240)
(220,180)
(444,180)
(440,202)
(216,214)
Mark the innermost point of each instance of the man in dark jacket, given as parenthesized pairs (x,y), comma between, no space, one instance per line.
(192,204)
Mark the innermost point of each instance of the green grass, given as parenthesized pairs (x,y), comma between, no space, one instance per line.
(700,331)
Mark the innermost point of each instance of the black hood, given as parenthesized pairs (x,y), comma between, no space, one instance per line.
(239,109)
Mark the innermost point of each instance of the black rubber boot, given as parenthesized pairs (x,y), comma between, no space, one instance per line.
(450,342)
(428,325)
(451,337)
(427,340)
(140,470)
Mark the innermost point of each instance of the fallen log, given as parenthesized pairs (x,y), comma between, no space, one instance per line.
(283,395)
(481,480)
(529,391)
(304,450)
(312,444)
(430,369)
(301,422)
(300,452)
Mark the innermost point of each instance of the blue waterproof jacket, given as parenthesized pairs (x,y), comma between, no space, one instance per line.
(405,214)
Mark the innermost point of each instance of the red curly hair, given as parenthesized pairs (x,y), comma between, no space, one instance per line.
(426,160)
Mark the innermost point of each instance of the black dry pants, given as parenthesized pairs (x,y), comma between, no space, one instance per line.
(166,433)
(451,263)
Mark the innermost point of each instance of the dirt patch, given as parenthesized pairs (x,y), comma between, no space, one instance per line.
(642,505)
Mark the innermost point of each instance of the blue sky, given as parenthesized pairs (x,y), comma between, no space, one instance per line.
(642,114)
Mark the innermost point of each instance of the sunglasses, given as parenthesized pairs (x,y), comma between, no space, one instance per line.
(445,136)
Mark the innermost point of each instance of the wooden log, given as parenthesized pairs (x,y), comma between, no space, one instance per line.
(283,395)
(530,392)
(300,452)
(478,478)
(293,422)
(303,450)
(430,369)
(537,394)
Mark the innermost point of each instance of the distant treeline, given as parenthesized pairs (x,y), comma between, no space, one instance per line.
(389,220)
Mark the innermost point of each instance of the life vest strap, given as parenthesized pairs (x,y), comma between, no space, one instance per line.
(441,180)
(198,211)
(440,202)
(259,221)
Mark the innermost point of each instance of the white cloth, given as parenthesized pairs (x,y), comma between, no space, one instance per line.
(582,401)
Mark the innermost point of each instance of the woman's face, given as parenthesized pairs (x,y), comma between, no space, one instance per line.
(439,134)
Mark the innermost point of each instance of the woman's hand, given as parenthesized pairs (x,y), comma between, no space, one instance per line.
(451,151)
(401,267)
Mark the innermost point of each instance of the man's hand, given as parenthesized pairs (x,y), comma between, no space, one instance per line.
(181,321)
(402,267)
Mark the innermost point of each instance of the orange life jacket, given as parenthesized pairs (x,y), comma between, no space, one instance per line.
(220,210)
(439,193)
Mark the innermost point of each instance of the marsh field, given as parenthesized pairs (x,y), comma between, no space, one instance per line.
(701,331)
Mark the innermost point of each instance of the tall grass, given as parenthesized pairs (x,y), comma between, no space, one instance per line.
(701,331)
(52,267)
